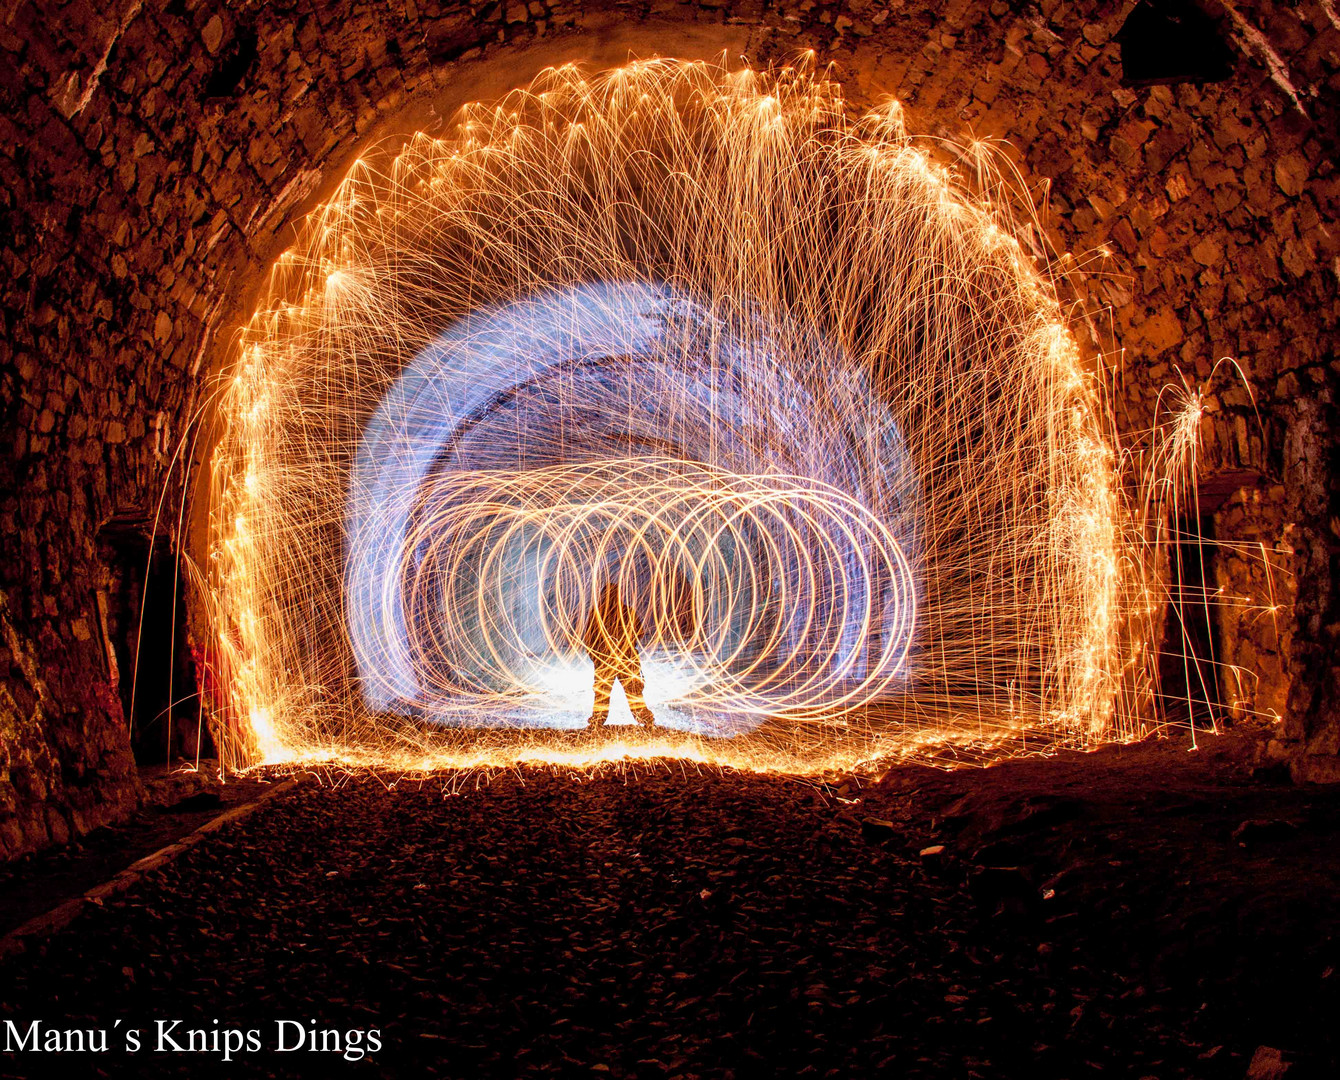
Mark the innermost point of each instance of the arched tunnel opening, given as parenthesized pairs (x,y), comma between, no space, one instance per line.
(721,540)
(828,395)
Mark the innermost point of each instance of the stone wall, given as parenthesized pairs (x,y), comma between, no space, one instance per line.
(153,156)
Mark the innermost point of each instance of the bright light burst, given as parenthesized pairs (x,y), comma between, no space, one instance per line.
(697,331)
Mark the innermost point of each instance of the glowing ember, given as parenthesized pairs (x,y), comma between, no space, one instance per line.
(698,333)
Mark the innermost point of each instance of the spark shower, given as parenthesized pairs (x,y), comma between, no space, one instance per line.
(793,386)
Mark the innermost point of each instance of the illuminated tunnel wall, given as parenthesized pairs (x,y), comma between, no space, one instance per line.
(696,331)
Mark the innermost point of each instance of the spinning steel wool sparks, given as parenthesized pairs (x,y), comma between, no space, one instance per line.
(477,542)
(763,593)
(696,332)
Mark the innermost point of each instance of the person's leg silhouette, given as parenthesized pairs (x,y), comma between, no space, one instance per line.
(600,712)
(630,674)
(634,687)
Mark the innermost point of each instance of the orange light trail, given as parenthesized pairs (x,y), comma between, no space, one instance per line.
(794,381)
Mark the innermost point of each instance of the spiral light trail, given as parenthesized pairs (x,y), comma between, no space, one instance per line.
(759,590)
(791,386)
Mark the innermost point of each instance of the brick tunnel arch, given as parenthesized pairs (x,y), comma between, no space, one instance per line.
(210,133)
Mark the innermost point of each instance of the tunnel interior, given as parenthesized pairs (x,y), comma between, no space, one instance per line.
(948,390)
(865,435)
(1179,215)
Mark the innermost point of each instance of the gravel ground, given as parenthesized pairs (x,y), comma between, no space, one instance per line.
(178,804)
(1138,912)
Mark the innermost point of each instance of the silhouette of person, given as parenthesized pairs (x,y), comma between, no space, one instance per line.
(611,635)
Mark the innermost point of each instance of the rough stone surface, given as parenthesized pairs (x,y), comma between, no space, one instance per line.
(153,157)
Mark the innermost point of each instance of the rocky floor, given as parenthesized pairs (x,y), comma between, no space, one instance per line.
(176,803)
(1143,912)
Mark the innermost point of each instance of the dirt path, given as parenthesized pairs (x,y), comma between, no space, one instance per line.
(1089,916)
